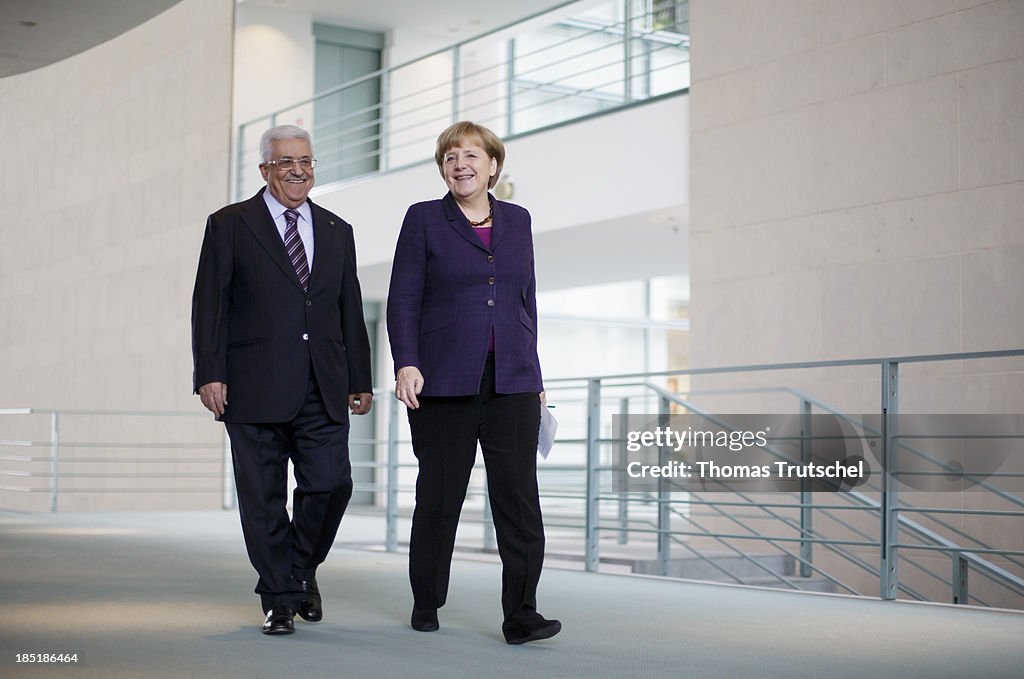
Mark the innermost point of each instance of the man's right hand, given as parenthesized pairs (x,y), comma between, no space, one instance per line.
(214,396)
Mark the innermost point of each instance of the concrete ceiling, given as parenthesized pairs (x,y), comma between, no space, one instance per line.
(454,19)
(35,33)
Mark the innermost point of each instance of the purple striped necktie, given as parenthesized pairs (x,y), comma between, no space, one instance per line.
(296,251)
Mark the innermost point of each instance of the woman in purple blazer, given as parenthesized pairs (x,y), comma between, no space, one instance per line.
(462,320)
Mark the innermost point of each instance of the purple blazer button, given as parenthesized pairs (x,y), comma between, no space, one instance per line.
(490,302)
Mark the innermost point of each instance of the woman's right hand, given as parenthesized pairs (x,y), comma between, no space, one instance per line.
(409,383)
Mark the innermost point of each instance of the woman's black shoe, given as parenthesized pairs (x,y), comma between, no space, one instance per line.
(425,620)
(528,625)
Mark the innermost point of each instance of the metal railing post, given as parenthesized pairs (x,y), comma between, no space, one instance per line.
(227,475)
(627,48)
(510,88)
(806,497)
(961,568)
(54,457)
(889,584)
(385,95)
(456,75)
(664,516)
(592,555)
(623,495)
(391,501)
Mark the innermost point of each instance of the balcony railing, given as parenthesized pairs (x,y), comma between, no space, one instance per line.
(877,539)
(576,61)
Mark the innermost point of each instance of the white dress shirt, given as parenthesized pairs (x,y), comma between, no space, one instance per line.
(305,223)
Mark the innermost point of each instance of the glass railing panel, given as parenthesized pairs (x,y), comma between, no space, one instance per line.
(514,80)
(419,105)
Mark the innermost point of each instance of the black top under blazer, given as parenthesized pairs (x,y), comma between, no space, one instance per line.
(255,329)
(448,291)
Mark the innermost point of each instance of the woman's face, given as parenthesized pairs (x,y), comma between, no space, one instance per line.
(467,169)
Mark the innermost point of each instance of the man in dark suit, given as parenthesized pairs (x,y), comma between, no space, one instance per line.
(281,354)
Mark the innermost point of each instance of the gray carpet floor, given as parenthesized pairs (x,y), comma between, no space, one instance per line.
(169,595)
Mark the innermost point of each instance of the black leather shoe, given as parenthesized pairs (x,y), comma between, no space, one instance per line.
(279,621)
(311,608)
(529,625)
(425,620)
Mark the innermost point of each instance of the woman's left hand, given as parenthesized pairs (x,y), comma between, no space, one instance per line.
(543,398)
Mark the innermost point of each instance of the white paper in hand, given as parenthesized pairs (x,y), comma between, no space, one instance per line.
(548,429)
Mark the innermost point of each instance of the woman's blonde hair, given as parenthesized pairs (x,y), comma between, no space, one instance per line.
(464,130)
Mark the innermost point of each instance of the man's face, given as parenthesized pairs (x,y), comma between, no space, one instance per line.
(290,187)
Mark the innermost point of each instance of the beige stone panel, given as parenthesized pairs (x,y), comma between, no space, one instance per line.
(789,82)
(841,20)
(992,216)
(991,132)
(732,35)
(850,389)
(998,531)
(922,227)
(923,49)
(985,34)
(722,100)
(851,236)
(758,250)
(756,171)
(828,73)
(993,299)
(997,383)
(959,393)
(967,4)
(889,144)
(917,227)
(756,320)
(892,308)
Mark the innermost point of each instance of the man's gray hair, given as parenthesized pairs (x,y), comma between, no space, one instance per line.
(277,134)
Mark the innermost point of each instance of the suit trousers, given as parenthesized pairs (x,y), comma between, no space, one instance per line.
(445,432)
(285,550)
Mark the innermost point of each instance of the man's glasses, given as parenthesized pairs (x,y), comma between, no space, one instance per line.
(287,164)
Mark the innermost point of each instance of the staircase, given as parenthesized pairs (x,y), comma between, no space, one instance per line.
(762,570)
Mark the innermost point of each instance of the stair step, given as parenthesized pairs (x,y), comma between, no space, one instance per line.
(803,584)
(724,568)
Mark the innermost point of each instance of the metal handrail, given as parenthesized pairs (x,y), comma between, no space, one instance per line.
(794,365)
(673,398)
(921,531)
(974,558)
(887,508)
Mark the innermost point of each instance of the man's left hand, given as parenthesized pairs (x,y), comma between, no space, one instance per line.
(360,403)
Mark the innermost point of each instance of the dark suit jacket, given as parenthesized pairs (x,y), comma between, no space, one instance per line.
(448,291)
(254,328)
